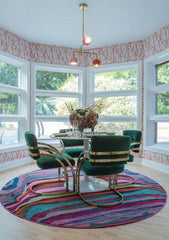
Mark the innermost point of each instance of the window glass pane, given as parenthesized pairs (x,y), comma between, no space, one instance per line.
(45,129)
(119,106)
(54,105)
(57,81)
(118,127)
(162,132)
(8,103)
(120,80)
(8,74)
(8,133)
(162,100)
(162,73)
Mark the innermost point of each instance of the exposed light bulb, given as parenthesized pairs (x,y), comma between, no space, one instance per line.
(87,40)
(96,63)
(73,61)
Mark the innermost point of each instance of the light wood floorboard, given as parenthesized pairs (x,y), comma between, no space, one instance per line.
(155,227)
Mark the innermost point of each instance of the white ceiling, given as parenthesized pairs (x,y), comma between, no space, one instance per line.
(107,22)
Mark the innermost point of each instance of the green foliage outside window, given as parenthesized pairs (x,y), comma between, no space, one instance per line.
(162,99)
(119,106)
(8,74)
(115,126)
(162,73)
(112,81)
(56,81)
(162,103)
(8,103)
(54,106)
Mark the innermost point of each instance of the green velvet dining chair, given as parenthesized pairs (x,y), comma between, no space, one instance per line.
(135,142)
(47,156)
(71,147)
(107,157)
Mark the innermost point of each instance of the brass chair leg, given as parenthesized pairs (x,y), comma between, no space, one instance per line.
(128,183)
(57,181)
(92,203)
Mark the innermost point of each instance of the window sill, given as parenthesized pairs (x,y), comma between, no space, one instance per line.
(161,148)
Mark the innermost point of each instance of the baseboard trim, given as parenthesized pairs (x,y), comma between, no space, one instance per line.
(137,161)
(157,166)
(15,163)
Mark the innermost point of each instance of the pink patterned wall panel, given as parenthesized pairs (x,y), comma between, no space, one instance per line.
(11,156)
(14,45)
(156,157)
(51,54)
(157,42)
(125,52)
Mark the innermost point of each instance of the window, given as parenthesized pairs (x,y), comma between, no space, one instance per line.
(54,87)
(117,88)
(14,101)
(157,101)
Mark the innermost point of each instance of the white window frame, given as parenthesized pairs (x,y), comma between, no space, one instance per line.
(23,91)
(150,117)
(55,68)
(91,94)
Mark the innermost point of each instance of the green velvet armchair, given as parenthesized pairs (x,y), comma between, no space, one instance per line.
(71,147)
(135,142)
(47,156)
(107,157)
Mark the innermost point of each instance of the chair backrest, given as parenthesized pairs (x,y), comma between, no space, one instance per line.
(135,139)
(109,149)
(70,143)
(32,144)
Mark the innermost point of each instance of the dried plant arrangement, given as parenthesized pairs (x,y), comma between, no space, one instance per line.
(86,117)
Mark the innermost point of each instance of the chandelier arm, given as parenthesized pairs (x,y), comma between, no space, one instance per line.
(85,52)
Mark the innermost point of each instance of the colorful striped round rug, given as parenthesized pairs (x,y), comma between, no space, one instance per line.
(141,200)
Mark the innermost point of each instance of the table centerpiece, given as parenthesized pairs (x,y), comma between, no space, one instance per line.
(84,117)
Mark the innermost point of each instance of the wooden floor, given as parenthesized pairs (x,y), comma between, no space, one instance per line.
(156,227)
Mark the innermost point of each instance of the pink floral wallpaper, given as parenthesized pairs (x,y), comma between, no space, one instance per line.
(14,45)
(124,52)
(156,157)
(11,156)
(51,54)
(157,42)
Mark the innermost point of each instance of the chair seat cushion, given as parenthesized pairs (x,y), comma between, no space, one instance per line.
(48,162)
(74,152)
(101,169)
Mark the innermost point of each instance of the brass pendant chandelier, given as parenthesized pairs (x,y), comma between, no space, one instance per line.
(86,40)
